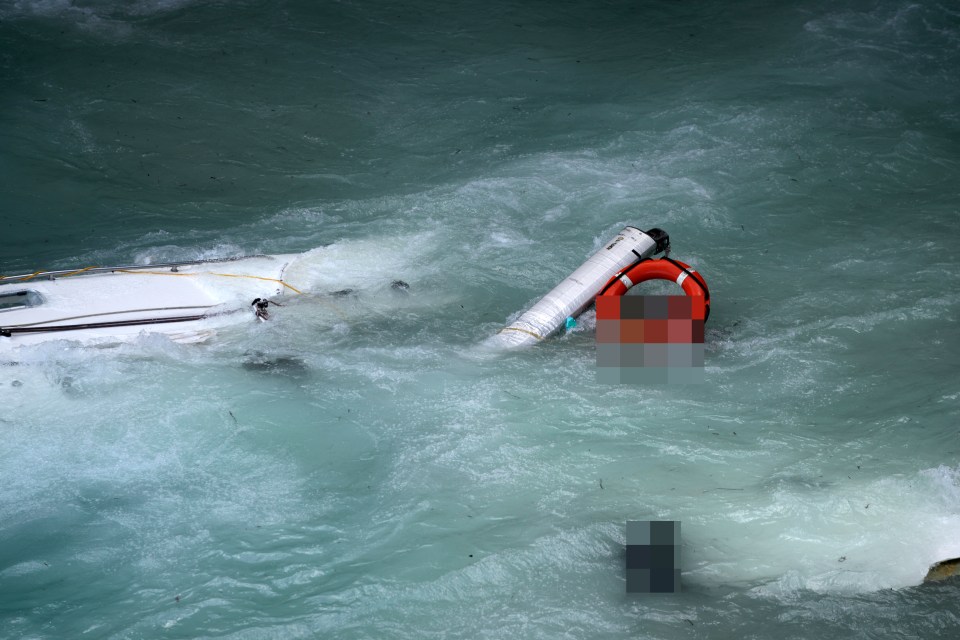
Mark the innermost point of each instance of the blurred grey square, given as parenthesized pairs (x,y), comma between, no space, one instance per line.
(655,355)
(610,375)
(664,532)
(685,375)
(696,355)
(638,580)
(631,354)
(679,355)
(655,307)
(631,307)
(644,375)
(653,556)
(638,532)
(608,354)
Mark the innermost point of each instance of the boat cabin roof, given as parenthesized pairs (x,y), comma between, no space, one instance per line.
(19,299)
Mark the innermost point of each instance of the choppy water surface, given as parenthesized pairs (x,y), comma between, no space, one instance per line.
(359,467)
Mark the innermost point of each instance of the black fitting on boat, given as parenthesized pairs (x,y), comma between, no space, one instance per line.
(661,238)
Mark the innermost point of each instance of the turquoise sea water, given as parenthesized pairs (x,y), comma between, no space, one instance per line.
(359,468)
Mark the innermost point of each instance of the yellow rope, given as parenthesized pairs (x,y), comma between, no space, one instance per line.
(529,333)
(73,273)
(31,276)
(36,273)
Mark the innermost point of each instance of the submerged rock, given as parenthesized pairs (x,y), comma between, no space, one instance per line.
(283,364)
(943,570)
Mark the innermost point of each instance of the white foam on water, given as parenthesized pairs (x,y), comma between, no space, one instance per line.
(863,537)
(362,263)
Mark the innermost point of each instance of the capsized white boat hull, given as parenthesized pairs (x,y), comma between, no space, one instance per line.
(185,301)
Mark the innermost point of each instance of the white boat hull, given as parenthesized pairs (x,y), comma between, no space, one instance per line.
(184,301)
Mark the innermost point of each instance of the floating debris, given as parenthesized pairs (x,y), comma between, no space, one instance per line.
(278,364)
(943,570)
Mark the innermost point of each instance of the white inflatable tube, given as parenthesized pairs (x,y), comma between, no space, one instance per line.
(577,292)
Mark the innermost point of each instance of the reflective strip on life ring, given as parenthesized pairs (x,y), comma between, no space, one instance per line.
(683,274)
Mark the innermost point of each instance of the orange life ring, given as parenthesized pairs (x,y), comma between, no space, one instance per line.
(683,274)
